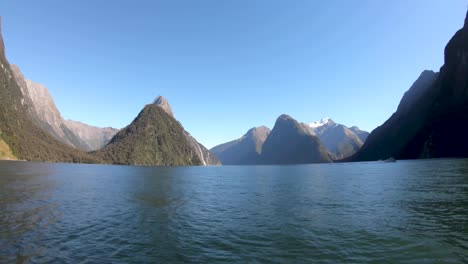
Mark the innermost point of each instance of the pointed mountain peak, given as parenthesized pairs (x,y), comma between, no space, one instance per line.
(284,117)
(162,102)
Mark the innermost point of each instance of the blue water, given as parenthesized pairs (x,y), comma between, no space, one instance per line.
(404,212)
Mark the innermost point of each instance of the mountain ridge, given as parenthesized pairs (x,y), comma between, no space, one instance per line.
(418,128)
(23,137)
(340,140)
(46,115)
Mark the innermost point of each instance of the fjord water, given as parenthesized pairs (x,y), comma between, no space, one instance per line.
(404,212)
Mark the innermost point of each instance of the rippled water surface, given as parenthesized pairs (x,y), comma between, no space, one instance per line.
(404,212)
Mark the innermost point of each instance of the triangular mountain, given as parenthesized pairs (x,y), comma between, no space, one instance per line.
(245,150)
(155,138)
(26,140)
(432,118)
(291,142)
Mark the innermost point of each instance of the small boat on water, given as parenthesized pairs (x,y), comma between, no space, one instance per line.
(391,159)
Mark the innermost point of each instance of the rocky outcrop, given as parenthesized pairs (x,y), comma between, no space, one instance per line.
(162,102)
(245,150)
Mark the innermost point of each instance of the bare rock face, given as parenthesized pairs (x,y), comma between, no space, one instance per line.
(94,137)
(162,102)
(21,135)
(45,108)
(44,112)
(204,155)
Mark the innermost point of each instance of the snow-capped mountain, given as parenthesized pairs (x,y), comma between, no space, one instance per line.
(340,140)
(320,123)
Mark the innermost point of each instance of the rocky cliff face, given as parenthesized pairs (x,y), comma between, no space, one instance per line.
(432,119)
(45,114)
(291,142)
(19,132)
(162,102)
(245,150)
(204,155)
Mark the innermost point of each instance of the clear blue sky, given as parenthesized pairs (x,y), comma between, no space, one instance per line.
(229,65)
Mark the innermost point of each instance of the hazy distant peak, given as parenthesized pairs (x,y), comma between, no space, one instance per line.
(260,129)
(162,102)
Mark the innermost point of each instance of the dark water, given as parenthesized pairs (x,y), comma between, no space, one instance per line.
(404,212)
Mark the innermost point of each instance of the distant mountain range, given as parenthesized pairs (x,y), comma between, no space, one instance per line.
(32,128)
(340,140)
(321,141)
(430,122)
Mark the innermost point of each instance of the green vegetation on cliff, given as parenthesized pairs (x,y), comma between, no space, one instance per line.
(26,140)
(154,138)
